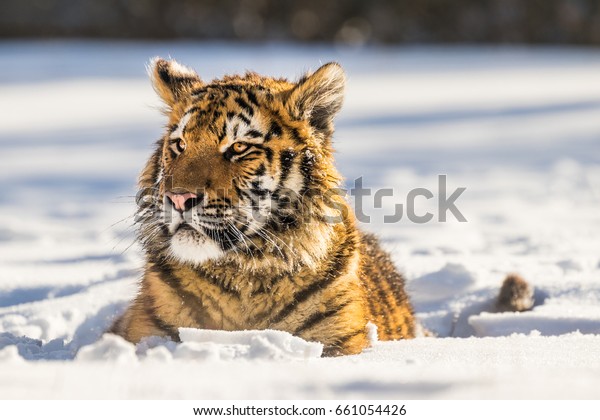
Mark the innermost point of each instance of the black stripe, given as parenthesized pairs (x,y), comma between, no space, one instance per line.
(149,306)
(245,106)
(260,193)
(384,271)
(396,283)
(238,190)
(230,115)
(344,339)
(191,301)
(337,266)
(296,135)
(250,156)
(257,190)
(268,153)
(166,275)
(236,88)
(261,170)
(267,286)
(206,276)
(244,119)
(198,91)
(318,317)
(335,349)
(193,109)
(286,160)
(372,307)
(254,134)
(366,271)
(385,312)
(275,130)
(306,167)
(252,97)
(169,329)
(217,307)
(384,263)
(223,132)
(243,193)
(163,72)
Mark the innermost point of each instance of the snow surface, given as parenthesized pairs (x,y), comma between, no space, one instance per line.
(518,127)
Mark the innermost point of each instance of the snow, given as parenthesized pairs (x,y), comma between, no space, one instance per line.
(518,127)
(202,345)
(197,345)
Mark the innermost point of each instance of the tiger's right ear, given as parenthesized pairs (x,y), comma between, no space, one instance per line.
(171,80)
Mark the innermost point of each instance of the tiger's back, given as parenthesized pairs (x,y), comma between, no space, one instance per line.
(241,224)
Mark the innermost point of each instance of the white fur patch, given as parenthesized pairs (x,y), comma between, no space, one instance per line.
(194,248)
(372,333)
(181,70)
(181,126)
(267,182)
(295,180)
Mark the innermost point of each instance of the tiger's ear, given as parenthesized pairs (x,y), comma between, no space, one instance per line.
(171,80)
(318,97)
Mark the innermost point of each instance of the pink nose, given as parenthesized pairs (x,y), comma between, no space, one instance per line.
(180,199)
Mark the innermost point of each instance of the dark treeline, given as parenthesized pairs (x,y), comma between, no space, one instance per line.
(345,21)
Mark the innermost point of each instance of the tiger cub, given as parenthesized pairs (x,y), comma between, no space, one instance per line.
(242,220)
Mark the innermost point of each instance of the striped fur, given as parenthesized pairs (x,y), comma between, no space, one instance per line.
(257,247)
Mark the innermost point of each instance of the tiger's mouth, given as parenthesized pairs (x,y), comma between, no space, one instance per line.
(198,231)
(221,231)
(190,243)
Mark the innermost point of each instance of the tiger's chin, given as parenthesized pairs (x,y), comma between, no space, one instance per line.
(192,247)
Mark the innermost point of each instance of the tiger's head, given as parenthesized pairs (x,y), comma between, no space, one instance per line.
(245,167)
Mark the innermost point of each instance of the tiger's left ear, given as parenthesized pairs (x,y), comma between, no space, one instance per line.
(171,80)
(318,97)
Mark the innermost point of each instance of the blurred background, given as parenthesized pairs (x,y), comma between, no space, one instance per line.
(355,22)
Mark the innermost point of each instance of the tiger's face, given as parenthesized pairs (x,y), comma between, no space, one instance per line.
(240,162)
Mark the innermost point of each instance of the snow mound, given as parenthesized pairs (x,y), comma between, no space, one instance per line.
(203,345)
(109,347)
(252,345)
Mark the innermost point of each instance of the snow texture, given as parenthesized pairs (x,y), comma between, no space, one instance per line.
(518,127)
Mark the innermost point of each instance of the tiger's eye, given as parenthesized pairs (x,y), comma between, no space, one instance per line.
(239,147)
